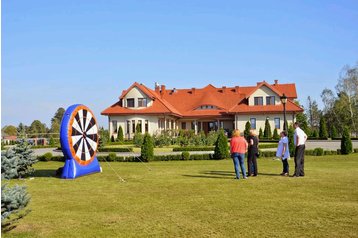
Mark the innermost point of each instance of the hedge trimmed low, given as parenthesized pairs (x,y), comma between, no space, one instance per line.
(267,145)
(109,149)
(194,148)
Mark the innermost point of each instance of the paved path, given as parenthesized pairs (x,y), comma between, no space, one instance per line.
(327,145)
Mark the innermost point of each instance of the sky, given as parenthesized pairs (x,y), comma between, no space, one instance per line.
(59,53)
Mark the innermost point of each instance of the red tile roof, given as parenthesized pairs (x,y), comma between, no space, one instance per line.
(227,100)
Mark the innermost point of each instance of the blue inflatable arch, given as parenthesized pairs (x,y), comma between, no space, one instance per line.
(79,142)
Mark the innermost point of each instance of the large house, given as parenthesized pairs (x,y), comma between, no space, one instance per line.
(201,109)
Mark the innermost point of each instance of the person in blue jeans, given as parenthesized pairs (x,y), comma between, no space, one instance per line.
(238,148)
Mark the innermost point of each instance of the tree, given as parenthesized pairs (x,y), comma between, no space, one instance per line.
(267,130)
(334,133)
(147,148)
(103,135)
(13,202)
(37,128)
(21,130)
(56,121)
(346,142)
(10,130)
(302,119)
(323,133)
(315,133)
(52,141)
(291,144)
(313,113)
(247,129)
(261,134)
(120,136)
(26,158)
(138,128)
(348,86)
(275,134)
(221,150)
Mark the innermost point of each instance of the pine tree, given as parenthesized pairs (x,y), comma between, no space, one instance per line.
(221,150)
(13,202)
(291,144)
(323,128)
(23,154)
(247,129)
(147,148)
(334,133)
(275,134)
(120,136)
(261,134)
(9,164)
(52,141)
(267,130)
(346,142)
(315,133)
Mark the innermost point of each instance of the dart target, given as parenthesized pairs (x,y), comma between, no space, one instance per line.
(79,141)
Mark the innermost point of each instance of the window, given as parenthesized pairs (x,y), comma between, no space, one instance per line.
(142,102)
(258,101)
(146,126)
(133,126)
(130,102)
(277,123)
(203,107)
(270,100)
(140,126)
(128,127)
(114,126)
(183,125)
(253,123)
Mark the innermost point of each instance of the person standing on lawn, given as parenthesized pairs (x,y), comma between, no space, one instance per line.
(300,138)
(252,153)
(238,148)
(283,153)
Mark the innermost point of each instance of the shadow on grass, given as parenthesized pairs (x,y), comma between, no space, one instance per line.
(222,174)
(267,174)
(207,176)
(45,173)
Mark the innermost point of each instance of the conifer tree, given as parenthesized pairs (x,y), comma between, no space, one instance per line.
(275,134)
(346,142)
(221,150)
(247,129)
(323,128)
(267,130)
(120,136)
(147,148)
(261,134)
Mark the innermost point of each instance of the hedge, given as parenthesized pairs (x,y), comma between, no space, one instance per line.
(267,145)
(115,149)
(194,148)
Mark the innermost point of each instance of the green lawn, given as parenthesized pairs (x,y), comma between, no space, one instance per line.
(195,199)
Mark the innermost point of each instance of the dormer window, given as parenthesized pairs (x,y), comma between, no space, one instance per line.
(206,107)
(130,102)
(270,100)
(258,101)
(142,102)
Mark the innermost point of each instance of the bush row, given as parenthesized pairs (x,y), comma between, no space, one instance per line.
(194,148)
(267,145)
(116,149)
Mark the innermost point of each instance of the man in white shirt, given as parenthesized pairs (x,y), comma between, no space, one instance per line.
(299,138)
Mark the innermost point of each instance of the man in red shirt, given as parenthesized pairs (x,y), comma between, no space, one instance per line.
(238,148)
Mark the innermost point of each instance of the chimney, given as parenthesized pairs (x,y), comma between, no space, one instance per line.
(237,89)
(223,89)
(276,81)
(156,87)
(192,90)
(162,90)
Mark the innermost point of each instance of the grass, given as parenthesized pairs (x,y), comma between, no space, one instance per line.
(195,199)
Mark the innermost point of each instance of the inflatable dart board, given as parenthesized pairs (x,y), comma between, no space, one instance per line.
(79,142)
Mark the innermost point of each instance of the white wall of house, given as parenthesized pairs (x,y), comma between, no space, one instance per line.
(260,121)
(136,93)
(264,92)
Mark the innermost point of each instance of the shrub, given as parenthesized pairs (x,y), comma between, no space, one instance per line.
(275,134)
(13,202)
(318,152)
(52,141)
(112,138)
(201,157)
(185,155)
(192,148)
(147,149)
(268,145)
(221,150)
(162,139)
(355,150)
(267,130)
(45,157)
(247,130)
(346,143)
(291,144)
(112,156)
(211,138)
(323,133)
(261,134)
(120,135)
(138,139)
